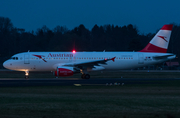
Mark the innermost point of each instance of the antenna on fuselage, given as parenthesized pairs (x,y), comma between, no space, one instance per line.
(28,50)
(104,50)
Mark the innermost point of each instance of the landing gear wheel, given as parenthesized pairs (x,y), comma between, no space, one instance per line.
(83,76)
(26,77)
(87,76)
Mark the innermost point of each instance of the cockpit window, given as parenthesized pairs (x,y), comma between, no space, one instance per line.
(14,58)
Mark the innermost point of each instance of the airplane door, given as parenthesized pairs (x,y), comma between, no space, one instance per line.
(141,59)
(26,58)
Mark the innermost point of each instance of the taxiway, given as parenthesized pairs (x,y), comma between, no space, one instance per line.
(14,82)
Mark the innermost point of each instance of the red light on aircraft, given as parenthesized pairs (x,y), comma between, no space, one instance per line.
(74,51)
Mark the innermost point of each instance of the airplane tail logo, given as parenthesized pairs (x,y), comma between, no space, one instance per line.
(163,38)
(160,41)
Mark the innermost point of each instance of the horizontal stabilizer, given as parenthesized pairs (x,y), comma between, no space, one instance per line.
(162,57)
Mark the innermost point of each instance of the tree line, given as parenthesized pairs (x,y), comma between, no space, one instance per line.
(107,37)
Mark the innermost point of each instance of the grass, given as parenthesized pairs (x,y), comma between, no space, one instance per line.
(90,102)
(154,99)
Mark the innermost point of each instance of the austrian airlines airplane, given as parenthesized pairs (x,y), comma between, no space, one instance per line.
(69,63)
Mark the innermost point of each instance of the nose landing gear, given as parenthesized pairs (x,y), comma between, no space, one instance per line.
(26,74)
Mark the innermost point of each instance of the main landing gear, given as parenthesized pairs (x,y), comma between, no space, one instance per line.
(85,76)
(26,74)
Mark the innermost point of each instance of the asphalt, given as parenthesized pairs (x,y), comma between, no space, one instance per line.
(14,82)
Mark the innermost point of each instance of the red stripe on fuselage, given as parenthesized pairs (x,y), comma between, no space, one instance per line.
(152,48)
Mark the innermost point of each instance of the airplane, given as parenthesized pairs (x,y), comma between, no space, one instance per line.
(69,63)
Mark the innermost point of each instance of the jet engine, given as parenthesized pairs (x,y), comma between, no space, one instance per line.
(64,71)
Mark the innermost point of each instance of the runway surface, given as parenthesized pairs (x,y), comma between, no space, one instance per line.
(14,82)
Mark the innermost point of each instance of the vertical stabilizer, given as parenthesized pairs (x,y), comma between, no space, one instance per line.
(160,41)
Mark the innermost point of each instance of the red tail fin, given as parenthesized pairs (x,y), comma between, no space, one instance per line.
(160,41)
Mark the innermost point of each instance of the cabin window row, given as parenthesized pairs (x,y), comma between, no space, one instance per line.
(84,58)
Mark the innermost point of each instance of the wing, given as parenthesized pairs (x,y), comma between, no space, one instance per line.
(90,64)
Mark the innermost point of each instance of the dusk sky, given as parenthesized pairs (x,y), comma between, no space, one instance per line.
(147,15)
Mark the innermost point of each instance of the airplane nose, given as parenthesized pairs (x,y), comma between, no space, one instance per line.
(6,64)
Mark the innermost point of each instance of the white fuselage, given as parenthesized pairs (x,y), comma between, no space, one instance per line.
(49,61)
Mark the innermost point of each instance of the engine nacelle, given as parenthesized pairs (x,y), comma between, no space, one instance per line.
(64,71)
